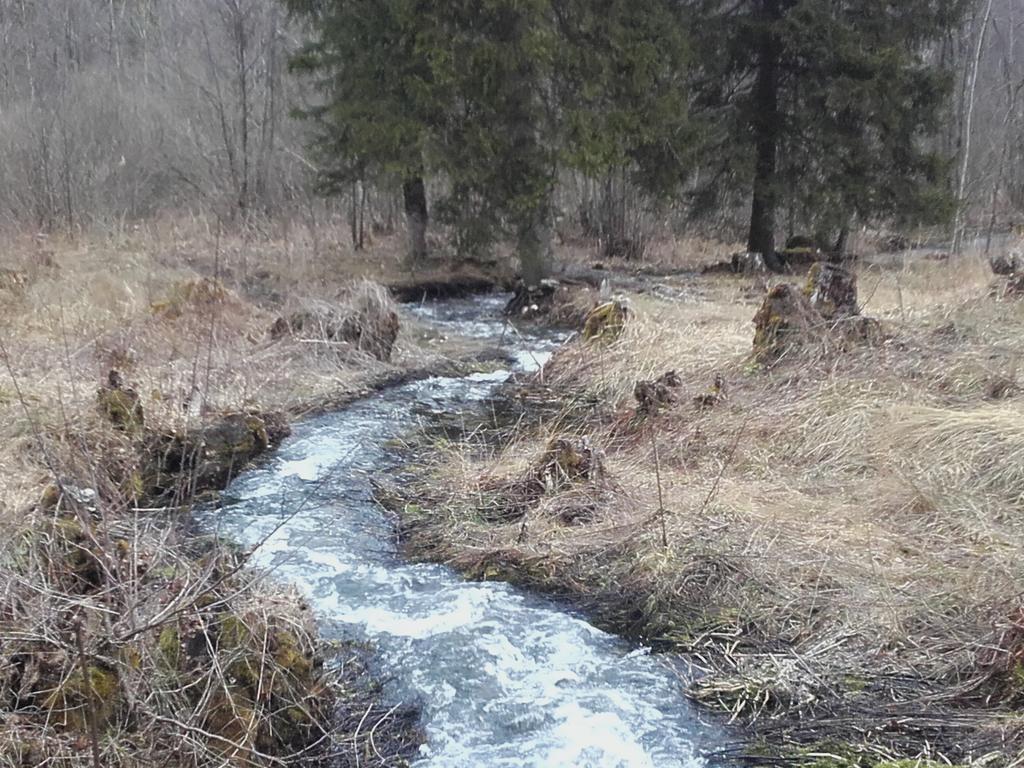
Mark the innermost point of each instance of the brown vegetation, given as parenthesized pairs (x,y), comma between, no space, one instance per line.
(138,373)
(837,542)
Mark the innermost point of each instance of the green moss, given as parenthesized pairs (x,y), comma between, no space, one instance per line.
(234,633)
(169,646)
(122,408)
(290,657)
(855,683)
(98,690)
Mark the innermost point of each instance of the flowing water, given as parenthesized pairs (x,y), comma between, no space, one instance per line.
(503,677)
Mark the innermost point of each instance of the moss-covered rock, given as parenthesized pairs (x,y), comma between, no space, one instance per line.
(208,458)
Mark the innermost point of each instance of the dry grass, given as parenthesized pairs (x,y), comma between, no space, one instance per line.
(184,314)
(844,530)
(179,310)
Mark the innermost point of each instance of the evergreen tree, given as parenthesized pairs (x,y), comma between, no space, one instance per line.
(494,97)
(376,115)
(827,104)
(498,135)
(548,84)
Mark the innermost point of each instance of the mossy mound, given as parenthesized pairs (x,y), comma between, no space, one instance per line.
(606,322)
(208,458)
(364,316)
(823,316)
(83,699)
(120,405)
(274,697)
(785,321)
(192,297)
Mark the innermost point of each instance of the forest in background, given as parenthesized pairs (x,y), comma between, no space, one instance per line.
(115,111)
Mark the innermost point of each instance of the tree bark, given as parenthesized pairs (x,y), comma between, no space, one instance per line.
(414,193)
(968,130)
(766,127)
(534,246)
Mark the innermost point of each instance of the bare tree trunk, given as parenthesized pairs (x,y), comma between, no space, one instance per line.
(965,150)
(1012,94)
(414,193)
(534,245)
(761,237)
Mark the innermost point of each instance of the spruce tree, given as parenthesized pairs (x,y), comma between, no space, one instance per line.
(375,117)
(494,98)
(827,105)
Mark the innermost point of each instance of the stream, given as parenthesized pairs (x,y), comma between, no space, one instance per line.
(502,677)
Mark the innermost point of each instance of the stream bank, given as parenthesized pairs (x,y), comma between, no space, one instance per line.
(501,677)
(755,517)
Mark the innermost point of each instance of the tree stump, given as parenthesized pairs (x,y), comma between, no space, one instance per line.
(651,395)
(785,320)
(832,290)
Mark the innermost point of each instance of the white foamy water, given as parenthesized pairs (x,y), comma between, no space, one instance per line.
(502,677)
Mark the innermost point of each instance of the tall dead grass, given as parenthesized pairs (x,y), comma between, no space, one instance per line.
(842,531)
(125,639)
